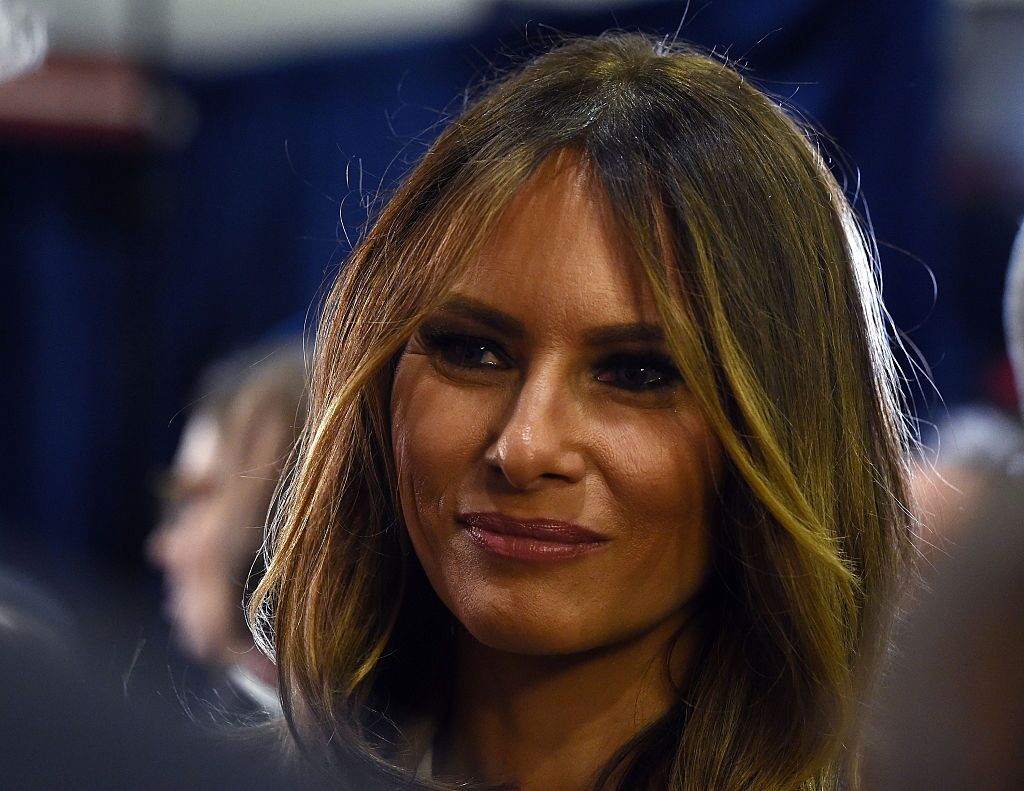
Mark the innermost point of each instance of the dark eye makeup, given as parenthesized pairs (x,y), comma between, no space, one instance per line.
(461,350)
(636,372)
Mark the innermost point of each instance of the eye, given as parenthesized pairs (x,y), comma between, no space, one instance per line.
(638,373)
(463,351)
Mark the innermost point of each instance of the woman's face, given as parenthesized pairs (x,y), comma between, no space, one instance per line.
(556,478)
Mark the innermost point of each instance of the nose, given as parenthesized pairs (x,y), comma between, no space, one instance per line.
(539,442)
(158,545)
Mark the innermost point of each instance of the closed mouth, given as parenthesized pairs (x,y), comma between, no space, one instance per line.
(530,539)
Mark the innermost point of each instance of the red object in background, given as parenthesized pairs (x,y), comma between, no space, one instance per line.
(86,99)
(998,385)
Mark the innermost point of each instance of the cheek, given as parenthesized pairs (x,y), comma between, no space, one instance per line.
(666,463)
(437,432)
(662,473)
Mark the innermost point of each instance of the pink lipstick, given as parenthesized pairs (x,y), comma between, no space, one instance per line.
(530,539)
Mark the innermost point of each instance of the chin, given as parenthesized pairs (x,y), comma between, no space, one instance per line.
(524,630)
(519,639)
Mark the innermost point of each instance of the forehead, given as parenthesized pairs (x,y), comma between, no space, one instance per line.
(197,452)
(559,256)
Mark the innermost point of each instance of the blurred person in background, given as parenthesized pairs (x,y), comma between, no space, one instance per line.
(61,727)
(233,449)
(951,716)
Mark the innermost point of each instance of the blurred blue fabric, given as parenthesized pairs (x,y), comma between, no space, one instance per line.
(127,270)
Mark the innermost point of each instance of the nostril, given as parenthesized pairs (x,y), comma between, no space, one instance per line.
(523,468)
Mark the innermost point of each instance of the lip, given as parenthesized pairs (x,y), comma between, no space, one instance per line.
(530,539)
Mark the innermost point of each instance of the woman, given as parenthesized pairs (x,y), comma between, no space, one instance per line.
(604,477)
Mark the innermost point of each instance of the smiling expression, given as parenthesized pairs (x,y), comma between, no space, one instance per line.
(556,479)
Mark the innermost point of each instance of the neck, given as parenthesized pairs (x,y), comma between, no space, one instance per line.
(542,722)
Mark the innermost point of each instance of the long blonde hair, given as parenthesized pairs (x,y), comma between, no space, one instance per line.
(765,286)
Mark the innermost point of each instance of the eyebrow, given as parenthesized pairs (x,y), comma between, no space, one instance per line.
(594,336)
(624,333)
(493,318)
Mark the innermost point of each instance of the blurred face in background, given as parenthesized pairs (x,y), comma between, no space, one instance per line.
(208,538)
(556,478)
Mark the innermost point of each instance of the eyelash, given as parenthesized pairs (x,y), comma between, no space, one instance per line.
(444,342)
(447,345)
